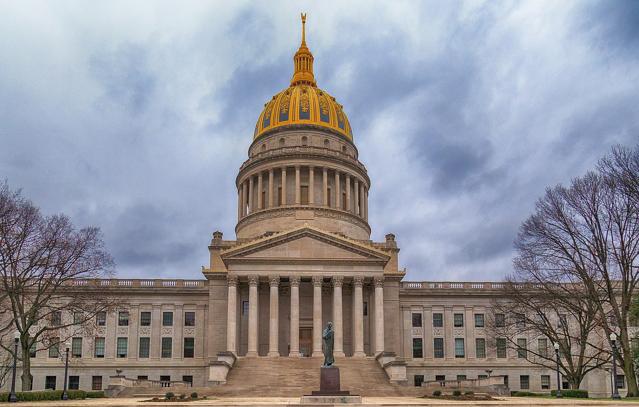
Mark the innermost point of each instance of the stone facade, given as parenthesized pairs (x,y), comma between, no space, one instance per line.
(302,257)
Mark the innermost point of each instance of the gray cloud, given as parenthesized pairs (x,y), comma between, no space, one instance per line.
(463,112)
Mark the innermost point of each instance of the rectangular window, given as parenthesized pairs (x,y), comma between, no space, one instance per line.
(520,320)
(365,308)
(32,350)
(167,347)
(482,376)
(279,196)
(417,320)
(438,320)
(245,307)
(418,379)
(461,377)
(74,382)
(524,382)
(621,381)
(56,318)
(77,318)
(418,352)
(189,347)
(545,382)
(459,348)
(188,379)
(49,383)
(458,320)
(562,322)
(145,318)
(500,320)
(96,383)
(54,348)
(304,194)
(480,348)
(145,345)
(165,381)
(440,378)
(189,318)
(501,347)
(123,318)
(542,347)
(100,319)
(521,348)
(122,347)
(438,347)
(98,348)
(167,318)
(479,320)
(76,347)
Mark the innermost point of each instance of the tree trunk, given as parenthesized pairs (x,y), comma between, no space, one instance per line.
(631,377)
(26,370)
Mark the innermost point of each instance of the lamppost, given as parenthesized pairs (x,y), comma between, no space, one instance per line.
(65,396)
(556,345)
(613,342)
(13,398)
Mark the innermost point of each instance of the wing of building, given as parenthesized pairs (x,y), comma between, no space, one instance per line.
(302,257)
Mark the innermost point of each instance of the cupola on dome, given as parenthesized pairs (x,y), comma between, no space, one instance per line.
(303,102)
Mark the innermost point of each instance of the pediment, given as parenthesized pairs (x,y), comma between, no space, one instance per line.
(305,245)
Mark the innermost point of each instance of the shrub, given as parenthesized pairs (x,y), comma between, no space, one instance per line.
(456,393)
(437,393)
(194,395)
(525,394)
(169,395)
(469,393)
(182,396)
(52,395)
(95,394)
(572,393)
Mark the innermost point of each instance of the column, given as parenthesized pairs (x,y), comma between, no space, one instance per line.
(244,197)
(379,315)
(348,193)
(270,188)
(362,200)
(297,185)
(356,189)
(252,331)
(366,204)
(338,192)
(250,197)
(239,202)
(260,185)
(337,316)
(358,317)
(274,312)
(295,317)
(325,186)
(283,181)
(317,315)
(231,322)
(311,185)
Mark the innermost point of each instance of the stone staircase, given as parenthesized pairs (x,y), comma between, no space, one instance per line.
(294,377)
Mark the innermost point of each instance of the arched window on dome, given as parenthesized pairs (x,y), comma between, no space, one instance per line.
(282,142)
(264,147)
(327,143)
(344,150)
(304,140)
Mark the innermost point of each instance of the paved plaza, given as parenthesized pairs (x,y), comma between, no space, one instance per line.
(368,401)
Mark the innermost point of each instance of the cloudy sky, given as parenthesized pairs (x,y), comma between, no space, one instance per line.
(135,116)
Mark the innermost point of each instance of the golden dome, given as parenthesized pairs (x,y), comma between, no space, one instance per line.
(303,102)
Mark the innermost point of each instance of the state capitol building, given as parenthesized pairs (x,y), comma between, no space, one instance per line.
(301,257)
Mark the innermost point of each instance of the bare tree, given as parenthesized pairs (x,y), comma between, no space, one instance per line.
(534,312)
(588,234)
(43,261)
(622,165)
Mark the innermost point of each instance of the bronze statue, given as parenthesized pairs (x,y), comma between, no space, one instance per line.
(328,337)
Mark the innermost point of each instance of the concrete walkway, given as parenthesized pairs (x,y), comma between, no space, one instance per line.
(284,401)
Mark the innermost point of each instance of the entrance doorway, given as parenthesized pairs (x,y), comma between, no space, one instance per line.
(306,342)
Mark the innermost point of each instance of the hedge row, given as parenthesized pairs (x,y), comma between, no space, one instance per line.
(53,395)
(526,394)
(572,393)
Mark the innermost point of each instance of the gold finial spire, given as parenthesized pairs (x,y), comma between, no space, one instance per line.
(303,61)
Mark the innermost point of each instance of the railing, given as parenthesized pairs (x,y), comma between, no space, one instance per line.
(136,283)
(451,285)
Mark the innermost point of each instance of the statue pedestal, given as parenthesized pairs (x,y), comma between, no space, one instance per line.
(330,392)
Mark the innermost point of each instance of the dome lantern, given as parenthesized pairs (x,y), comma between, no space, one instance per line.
(303,61)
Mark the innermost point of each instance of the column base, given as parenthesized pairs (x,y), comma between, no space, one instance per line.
(317,354)
(294,354)
(339,354)
(250,354)
(273,354)
(359,355)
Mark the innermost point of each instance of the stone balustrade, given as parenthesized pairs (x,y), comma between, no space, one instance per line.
(137,283)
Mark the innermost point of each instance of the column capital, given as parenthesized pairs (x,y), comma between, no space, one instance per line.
(232,280)
(253,280)
(337,281)
(274,281)
(294,281)
(358,281)
(379,281)
(317,281)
